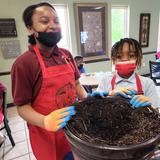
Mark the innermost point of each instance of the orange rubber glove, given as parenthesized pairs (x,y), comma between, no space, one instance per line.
(58,118)
(126,92)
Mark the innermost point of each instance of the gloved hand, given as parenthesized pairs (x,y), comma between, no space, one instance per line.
(69,156)
(126,92)
(140,101)
(98,94)
(58,118)
(157,60)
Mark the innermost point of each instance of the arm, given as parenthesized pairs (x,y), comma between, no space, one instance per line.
(51,122)
(30,115)
(150,97)
(105,83)
(80,91)
(151,92)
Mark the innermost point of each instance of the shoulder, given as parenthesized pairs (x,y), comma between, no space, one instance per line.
(147,83)
(65,51)
(105,82)
(27,59)
(105,78)
(26,65)
(146,80)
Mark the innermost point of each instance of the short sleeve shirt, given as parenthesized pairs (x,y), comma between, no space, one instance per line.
(2,89)
(26,73)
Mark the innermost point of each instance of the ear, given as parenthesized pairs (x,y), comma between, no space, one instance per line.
(30,30)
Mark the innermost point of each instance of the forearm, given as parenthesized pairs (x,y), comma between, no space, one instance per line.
(80,91)
(30,115)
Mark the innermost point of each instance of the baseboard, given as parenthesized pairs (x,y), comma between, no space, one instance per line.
(146,75)
(10,105)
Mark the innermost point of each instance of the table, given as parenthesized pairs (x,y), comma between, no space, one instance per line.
(89,80)
(93,79)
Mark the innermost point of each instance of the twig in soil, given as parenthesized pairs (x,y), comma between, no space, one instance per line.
(84,125)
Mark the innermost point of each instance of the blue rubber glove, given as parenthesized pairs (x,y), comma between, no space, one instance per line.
(98,94)
(69,156)
(126,92)
(140,101)
(157,60)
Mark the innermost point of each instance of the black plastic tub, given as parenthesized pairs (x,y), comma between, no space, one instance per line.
(83,150)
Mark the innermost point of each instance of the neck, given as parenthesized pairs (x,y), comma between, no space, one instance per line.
(125,76)
(43,47)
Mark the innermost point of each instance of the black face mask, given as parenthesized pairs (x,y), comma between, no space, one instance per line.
(80,66)
(49,39)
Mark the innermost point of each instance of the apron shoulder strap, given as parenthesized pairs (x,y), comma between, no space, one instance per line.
(113,81)
(67,60)
(139,85)
(36,50)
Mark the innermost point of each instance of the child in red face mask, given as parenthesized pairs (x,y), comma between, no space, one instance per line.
(126,55)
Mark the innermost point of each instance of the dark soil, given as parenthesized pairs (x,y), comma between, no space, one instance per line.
(112,121)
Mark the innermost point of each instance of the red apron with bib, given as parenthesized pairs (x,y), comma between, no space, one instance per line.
(57,91)
(138,83)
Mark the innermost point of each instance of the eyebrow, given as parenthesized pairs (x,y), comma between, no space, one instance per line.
(48,17)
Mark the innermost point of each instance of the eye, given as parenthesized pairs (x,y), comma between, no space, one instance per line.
(119,56)
(132,54)
(44,20)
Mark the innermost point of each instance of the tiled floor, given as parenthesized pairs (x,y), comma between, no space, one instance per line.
(22,150)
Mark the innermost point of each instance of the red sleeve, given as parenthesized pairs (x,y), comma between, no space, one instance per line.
(2,89)
(20,86)
(23,75)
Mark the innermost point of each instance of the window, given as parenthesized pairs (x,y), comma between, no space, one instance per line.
(120,22)
(63,17)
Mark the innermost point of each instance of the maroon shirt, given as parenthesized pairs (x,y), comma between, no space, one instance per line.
(2,89)
(26,73)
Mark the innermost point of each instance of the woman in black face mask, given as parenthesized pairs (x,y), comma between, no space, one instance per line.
(45,84)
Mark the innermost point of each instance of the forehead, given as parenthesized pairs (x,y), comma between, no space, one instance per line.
(44,11)
(127,47)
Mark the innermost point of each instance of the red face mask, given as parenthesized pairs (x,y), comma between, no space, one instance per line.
(125,68)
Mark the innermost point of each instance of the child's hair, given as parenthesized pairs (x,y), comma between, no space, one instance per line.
(77,58)
(118,46)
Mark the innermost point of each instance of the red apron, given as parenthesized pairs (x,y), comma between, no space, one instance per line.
(138,83)
(57,91)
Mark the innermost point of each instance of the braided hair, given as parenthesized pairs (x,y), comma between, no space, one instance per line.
(118,46)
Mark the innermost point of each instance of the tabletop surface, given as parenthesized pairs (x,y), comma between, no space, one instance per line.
(92,79)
